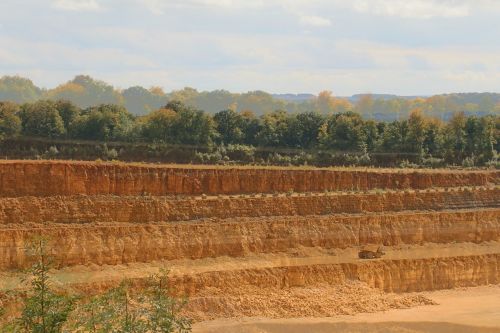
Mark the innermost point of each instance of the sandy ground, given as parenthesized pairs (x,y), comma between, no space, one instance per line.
(461,310)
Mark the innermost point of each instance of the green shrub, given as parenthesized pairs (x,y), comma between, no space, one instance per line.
(44,310)
(121,309)
(240,153)
(405,164)
(469,162)
(433,162)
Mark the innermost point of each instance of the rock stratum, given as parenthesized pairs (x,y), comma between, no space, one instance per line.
(254,241)
(48,178)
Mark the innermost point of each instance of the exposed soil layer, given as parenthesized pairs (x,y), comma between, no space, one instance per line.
(403,269)
(85,209)
(237,254)
(112,244)
(44,178)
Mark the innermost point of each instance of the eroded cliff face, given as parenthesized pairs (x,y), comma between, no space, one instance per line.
(408,275)
(403,275)
(36,178)
(441,229)
(105,244)
(85,209)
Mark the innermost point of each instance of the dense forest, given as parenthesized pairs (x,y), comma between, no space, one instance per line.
(84,92)
(229,136)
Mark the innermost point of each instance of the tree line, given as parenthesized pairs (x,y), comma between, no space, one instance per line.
(84,91)
(463,140)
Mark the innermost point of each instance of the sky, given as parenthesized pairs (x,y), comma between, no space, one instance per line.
(405,47)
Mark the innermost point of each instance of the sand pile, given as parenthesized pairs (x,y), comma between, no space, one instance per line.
(320,300)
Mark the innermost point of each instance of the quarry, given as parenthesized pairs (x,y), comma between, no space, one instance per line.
(256,242)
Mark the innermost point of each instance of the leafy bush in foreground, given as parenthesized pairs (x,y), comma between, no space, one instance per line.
(120,310)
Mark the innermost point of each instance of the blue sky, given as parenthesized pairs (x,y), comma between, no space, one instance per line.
(403,47)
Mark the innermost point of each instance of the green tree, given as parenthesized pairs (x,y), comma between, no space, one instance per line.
(106,122)
(44,311)
(230,126)
(251,126)
(416,134)
(433,141)
(159,126)
(371,132)
(480,138)
(455,138)
(10,123)
(194,127)
(343,131)
(163,313)
(177,123)
(394,137)
(114,311)
(273,129)
(42,119)
(122,311)
(69,113)
(189,125)
(473,128)
(303,129)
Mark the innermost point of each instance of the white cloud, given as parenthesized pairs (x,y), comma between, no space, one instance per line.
(225,3)
(270,51)
(457,58)
(420,9)
(297,8)
(77,5)
(315,21)
(156,7)
(31,54)
(159,7)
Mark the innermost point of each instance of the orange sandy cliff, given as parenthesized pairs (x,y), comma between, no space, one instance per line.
(233,236)
(41,178)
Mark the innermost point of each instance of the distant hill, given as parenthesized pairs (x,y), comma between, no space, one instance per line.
(294,97)
(85,91)
(459,98)
(354,98)
(474,98)
(385,97)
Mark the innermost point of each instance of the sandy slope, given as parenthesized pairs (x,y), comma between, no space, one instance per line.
(461,310)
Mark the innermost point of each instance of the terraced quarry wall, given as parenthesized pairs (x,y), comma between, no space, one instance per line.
(80,244)
(84,209)
(391,276)
(38,178)
(440,228)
